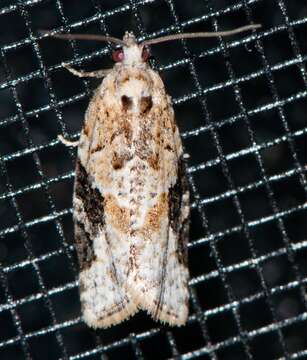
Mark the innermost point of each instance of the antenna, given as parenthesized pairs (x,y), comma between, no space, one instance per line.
(200,35)
(85,37)
(158,40)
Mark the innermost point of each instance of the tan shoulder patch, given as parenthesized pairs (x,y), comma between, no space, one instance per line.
(155,215)
(117,216)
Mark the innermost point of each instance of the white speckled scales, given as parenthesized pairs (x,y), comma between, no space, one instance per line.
(131,201)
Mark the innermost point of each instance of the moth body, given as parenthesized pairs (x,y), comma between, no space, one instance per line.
(131,199)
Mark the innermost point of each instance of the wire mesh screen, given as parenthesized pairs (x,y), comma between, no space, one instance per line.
(241,107)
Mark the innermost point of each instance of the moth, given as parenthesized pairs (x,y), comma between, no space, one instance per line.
(131,197)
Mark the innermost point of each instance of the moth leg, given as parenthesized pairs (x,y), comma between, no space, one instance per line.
(67,142)
(80,73)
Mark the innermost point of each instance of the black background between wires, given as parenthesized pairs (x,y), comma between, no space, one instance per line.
(240,103)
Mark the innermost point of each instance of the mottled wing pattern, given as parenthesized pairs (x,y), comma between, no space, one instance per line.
(131,203)
(102,252)
(163,272)
(161,278)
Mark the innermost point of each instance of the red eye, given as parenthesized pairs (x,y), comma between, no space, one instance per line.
(145,54)
(118,55)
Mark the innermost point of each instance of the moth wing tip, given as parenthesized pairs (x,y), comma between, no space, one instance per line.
(147,303)
(166,318)
(109,320)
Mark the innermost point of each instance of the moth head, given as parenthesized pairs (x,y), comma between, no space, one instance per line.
(131,53)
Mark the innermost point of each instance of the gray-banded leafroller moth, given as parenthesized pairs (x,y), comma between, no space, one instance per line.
(131,197)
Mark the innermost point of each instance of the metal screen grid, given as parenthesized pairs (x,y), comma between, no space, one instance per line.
(247,250)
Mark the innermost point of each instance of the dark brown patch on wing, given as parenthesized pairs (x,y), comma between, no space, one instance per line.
(84,246)
(145,104)
(154,161)
(117,161)
(91,198)
(126,102)
(182,250)
(176,204)
(97,148)
(93,205)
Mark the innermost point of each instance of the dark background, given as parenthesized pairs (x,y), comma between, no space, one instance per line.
(241,107)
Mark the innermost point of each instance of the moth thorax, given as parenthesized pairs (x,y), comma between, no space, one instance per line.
(133,54)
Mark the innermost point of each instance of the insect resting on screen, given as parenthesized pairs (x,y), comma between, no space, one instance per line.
(131,197)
